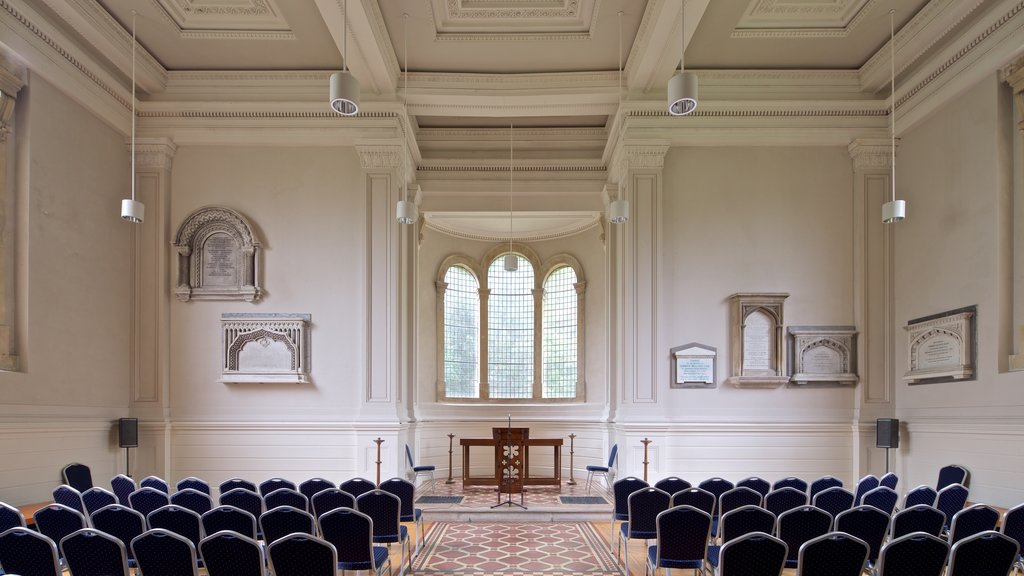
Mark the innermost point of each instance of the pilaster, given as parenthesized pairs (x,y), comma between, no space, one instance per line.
(1013,74)
(11,82)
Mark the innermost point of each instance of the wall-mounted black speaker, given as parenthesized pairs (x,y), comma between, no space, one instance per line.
(128,433)
(887,433)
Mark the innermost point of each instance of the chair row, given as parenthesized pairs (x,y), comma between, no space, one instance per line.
(122,485)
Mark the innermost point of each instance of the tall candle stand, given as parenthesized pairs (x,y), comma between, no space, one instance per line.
(645,442)
(450,480)
(380,441)
(572,450)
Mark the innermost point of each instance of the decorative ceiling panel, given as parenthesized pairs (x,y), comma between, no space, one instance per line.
(226,18)
(514,19)
(796,18)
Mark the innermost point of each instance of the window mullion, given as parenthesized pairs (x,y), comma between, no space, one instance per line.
(485,387)
(538,338)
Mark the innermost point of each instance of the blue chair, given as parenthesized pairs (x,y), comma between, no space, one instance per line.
(832,554)
(122,523)
(1013,526)
(422,470)
(243,499)
(739,522)
(757,484)
(327,500)
(800,525)
(280,522)
(156,483)
(754,554)
(195,484)
(122,486)
(286,497)
(268,486)
(310,487)
(410,513)
(28,553)
(918,518)
(716,486)
(920,495)
(672,484)
(594,470)
(697,497)
(821,484)
(180,521)
(882,498)
(951,500)
(867,523)
(69,497)
(644,506)
(791,482)
(621,490)
(889,480)
(737,498)
(95,498)
(864,485)
(970,521)
(357,486)
(351,534)
(10,517)
(229,518)
(194,500)
(77,476)
(987,553)
(952,474)
(228,553)
(681,540)
(90,552)
(232,483)
(784,499)
(147,499)
(834,500)
(161,552)
(302,555)
(385,509)
(57,521)
(916,554)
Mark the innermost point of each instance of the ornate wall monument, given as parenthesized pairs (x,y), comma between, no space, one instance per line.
(756,347)
(265,348)
(823,355)
(218,257)
(942,347)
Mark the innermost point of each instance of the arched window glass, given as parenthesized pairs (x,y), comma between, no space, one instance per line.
(510,330)
(558,337)
(461,334)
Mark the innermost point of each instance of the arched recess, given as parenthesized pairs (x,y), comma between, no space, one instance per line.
(218,257)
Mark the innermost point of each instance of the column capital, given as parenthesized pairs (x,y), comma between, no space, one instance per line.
(380,157)
(12,75)
(1013,74)
(154,153)
(871,153)
(645,155)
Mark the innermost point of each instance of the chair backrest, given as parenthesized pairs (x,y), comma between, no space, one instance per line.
(384,508)
(280,522)
(10,517)
(310,487)
(195,484)
(867,523)
(408,456)
(69,497)
(916,554)
(951,500)
(95,498)
(970,521)
(682,534)
(155,482)
(796,526)
(229,518)
(286,497)
(882,498)
(791,482)
(621,489)
(832,554)
(920,495)
(351,534)
(123,486)
(78,476)
(889,480)
(644,507)
(834,500)
(612,454)
(1013,524)
(746,520)
(181,521)
(952,474)
(784,499)
(327,500)
(120,522)
(244,499)
(672,484)
(90,552)
(227,553)
(716,486)
(268,486)
(57,521)
(28,553)
(148,499)
(357,486)
(757,484)
(986,553)
(738,497)
(821,484)
(920,518)
(194,500)
(754,554)
(864,485)
(160,552)
(232,483)
(302,555)
(697,497)
(404,490)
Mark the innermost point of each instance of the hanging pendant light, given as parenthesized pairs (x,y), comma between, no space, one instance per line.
(131,209)
(682,88)
(511,260)
(894,210)
(618,209)
(344,86)
(406,211)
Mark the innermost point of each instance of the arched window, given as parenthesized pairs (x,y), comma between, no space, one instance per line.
(559,340)
(461,334)
(510,329)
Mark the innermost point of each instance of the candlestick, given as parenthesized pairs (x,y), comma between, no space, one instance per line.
(572,450)
(450,480)
(645,442)
(378,442)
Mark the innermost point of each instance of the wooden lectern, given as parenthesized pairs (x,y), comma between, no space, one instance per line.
(510,458)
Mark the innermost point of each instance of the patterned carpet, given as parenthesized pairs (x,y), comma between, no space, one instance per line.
(515,549)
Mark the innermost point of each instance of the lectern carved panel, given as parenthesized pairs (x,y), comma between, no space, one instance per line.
(510,458)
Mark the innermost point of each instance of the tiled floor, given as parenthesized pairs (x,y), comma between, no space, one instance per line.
(541,502)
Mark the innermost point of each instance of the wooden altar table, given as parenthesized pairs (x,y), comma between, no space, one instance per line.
(528,479)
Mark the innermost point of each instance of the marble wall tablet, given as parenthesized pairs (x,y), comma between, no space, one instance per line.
(942,347)
(694,366)
(265,348)
(756,346)
(823,355)
(218,257)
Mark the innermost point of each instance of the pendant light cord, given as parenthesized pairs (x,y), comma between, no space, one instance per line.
(510,126)
(682,36)
(622,117)
(344,36)
(134,14)
(405,99)
(892,70)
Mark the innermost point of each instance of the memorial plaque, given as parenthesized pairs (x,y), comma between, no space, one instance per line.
(757,343)
(938,350)
(693,366)
(756,346)
(823,355)
(822,360)
(218,257)
(220,261)
(265,348)
(942,347)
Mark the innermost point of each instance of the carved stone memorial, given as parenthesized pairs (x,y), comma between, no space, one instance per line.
(756,346)
(942,347)
(694,366)
(823,355)
(265,348)
(218,257)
